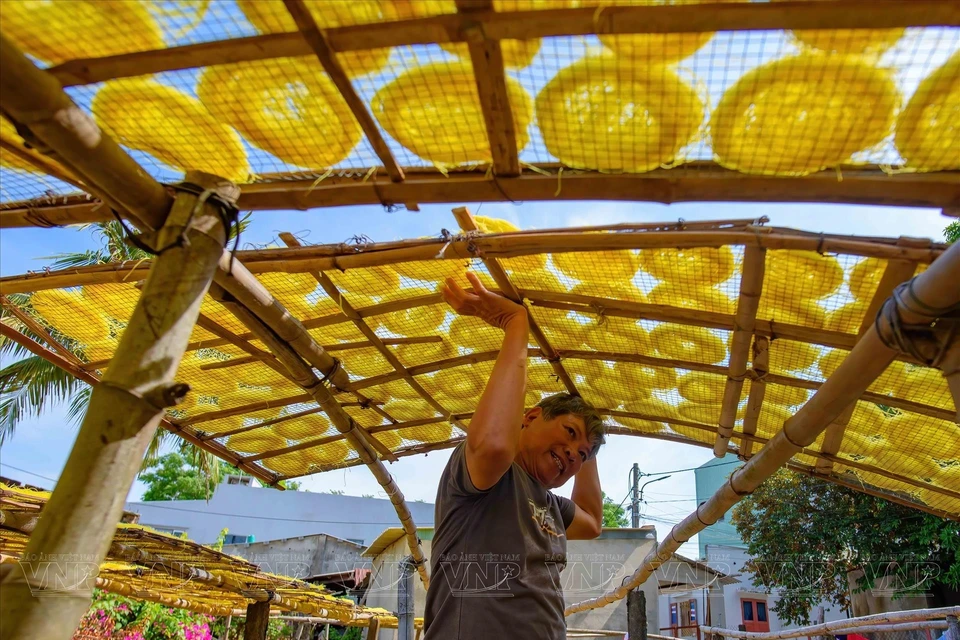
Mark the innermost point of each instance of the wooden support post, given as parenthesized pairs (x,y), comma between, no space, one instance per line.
(637,615)
(953,626)
(468,223)
(758,389)
(226,628)
(300,12)
(124,411)
(486,56)
(258,617)
(897,271)
(373,631)
(751,286)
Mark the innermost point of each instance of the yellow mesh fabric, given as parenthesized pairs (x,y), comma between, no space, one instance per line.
(927,128)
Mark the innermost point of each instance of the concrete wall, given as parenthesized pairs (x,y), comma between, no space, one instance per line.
(303,556)
(593,566)
(710,477)
(269,514)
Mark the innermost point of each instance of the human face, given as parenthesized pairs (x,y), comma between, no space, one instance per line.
(552,451)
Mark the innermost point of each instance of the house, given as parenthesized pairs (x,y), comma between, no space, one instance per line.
(251,514)
(691,594)
(722,549)
(593,567)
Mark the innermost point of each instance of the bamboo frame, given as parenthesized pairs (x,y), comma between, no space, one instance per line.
(502,245)
(486,57)
(318,44)
(849,624)
(751,287)
(696,182)
(896,272)
(936,287)
(521,25)
(758,390)
(467,223)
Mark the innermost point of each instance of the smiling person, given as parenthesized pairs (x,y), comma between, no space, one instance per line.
(501,534)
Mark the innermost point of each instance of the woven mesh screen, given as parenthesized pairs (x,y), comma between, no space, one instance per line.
(764,102)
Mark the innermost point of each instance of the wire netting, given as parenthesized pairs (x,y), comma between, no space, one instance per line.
(765,102)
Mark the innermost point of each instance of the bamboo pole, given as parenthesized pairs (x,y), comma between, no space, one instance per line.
(850,14)
(935,288)
(486,57)
(341,256)
(696,183)
(41,163)
(124,411)
(896,272)
(365,445)
(830,628)
(318,44)
(758,390)
(467,222)
(751,286)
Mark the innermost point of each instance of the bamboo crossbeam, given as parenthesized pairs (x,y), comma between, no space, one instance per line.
(936,288)
(347,309)
(467,222)
(41,163)
(830,628)
(702,182)
(760,366)
(896,272)
(486,57)
(521,243)
(319,45)
(751,286)
(850,14)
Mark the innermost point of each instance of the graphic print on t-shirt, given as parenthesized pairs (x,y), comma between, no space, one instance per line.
(541,515)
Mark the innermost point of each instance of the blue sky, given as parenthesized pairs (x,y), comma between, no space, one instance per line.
(40,446)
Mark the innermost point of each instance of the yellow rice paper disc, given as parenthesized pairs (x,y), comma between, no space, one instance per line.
(271,16)
(928,386)
(653,407)
(795,311)
(116,300)
(865,277)
(541,376)
(328,454)
(692,297)
(378,280)
(690,344)
(617,267)
(287,107)
(847,318)
(772,417)
(473,333)
(804,274)
(434,111)
(407,410)
(516,53)
(872,42)
(87,28)
(783,395)
(172,126)
(365,363)
(700,387)
(644,377)
(617,334)
(299,284)
(929,127)
(73,315)
(458,382)
(411,354)
(10,160)
(790,355)
(772,122)
(306,427)
(439,432)
(416,321)
(256,441)
(703,265)
(610,290)
(530,264)
(609,115)
(288,464)
(390,439)
(891,382)
(696,412)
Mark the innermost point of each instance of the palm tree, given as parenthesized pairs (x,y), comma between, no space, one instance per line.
(31,384)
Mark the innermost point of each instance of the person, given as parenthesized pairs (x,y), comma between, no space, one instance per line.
(501,534)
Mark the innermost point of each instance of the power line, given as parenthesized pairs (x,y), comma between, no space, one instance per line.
(27,472)
(241,515)
(722,464)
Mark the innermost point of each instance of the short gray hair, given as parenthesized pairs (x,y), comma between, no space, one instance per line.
(561,404)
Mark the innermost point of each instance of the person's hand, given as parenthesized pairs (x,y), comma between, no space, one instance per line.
(489,307)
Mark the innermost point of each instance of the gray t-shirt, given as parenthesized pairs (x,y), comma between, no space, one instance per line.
(496,558)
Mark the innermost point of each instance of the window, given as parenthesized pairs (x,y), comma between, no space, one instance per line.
(674,616)
(761,612)
(232,539)
(693,612)
(747,610)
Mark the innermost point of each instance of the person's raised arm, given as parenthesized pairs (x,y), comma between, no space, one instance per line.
(494,432)
(588,519)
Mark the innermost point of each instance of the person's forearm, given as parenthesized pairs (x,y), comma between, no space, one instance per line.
(586,490)
(495,425)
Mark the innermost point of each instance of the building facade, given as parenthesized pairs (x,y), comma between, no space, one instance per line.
(256,514)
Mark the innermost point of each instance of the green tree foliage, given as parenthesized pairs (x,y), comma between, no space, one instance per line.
(805,535)
(171,477)
(952,232)
(613,514)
